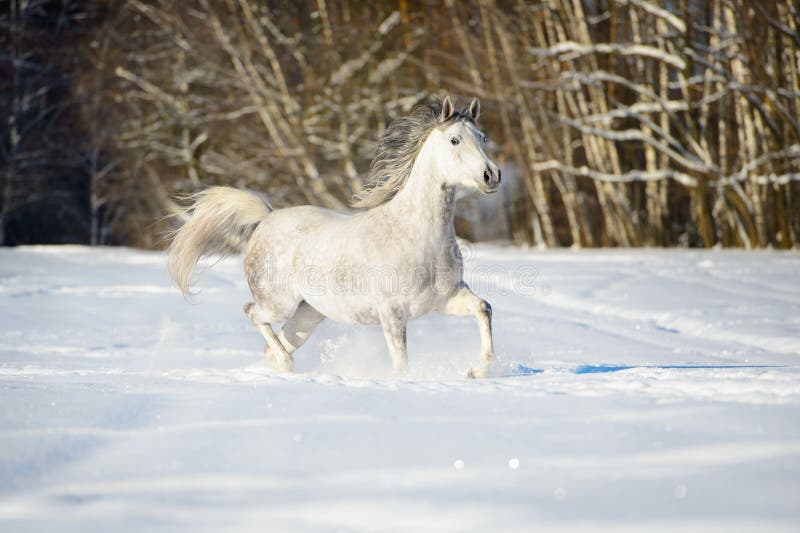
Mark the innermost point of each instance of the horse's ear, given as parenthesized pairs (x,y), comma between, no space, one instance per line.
(447,109)
(475,108)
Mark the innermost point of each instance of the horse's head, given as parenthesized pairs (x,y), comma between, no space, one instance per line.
(460,149)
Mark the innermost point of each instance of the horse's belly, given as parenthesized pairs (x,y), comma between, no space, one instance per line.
(345,308)
(426,302)
(366,309)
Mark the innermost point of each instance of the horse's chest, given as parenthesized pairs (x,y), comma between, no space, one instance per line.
(430,284)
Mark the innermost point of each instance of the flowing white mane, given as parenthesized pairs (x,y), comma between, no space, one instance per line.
(397,149)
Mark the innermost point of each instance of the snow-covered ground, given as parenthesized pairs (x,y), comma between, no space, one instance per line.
(633,391)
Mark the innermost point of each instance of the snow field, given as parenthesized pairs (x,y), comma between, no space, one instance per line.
(633,390)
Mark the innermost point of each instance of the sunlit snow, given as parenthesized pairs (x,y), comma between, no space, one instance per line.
(633,391)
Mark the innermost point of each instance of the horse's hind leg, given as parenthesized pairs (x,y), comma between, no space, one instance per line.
(283,358)
(298,328)
(295,332)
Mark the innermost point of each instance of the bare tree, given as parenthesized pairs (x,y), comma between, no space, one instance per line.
(620,122)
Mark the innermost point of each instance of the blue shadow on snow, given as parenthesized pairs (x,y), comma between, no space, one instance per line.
(522,370)
(600,369)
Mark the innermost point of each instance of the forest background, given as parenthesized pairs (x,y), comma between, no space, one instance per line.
(616,122)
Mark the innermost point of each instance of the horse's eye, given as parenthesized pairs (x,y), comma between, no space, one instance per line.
(485,138)
(454,141)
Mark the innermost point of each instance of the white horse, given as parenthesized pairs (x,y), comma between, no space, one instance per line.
(395,261)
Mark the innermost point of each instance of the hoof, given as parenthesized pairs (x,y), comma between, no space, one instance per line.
(279,367)
(478,373)
(283,366)
(277,362)
(400,372)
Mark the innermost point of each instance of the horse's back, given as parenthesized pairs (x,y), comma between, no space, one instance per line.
(301,217)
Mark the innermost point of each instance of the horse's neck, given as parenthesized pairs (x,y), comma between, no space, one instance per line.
(424,202)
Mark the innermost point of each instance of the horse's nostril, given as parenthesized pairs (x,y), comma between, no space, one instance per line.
(498,176)
(486,176)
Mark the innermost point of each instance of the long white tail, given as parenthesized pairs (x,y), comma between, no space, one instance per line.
(222,217)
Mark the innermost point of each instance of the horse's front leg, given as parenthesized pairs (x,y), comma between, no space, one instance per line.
(394,329)
(465,302)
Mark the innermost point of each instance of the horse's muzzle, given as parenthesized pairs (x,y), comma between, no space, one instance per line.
(491,179)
